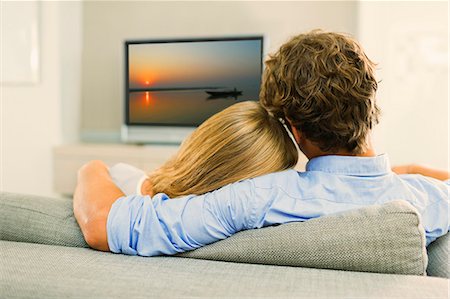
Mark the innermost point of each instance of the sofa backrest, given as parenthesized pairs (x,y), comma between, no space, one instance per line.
(438,256)
(386,238)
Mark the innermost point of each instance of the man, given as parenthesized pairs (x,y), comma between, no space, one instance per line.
(324,86)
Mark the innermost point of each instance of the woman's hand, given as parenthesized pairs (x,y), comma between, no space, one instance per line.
(423,170)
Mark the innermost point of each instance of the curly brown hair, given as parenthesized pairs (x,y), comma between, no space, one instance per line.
(325,85)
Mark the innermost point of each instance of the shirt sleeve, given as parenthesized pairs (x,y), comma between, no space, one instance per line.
(140,225)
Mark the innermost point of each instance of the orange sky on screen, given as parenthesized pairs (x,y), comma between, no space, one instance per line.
(157,77)
(144,78)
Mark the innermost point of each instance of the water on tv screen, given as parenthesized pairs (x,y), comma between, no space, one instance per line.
(184,82)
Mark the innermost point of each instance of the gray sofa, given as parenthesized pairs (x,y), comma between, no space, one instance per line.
(374,252)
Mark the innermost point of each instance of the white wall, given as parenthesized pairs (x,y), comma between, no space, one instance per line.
(108,24)
(70,45)
(36,117)
(409,41)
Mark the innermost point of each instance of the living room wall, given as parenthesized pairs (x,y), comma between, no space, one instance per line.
(35,117)
(409,41)
(107,24)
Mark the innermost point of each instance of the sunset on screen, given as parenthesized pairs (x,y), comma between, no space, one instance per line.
(198,78)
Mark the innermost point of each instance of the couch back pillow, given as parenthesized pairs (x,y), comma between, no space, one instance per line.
(387,238)
(438,257)
(384,238)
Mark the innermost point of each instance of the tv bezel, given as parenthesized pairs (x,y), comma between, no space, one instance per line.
(127,43)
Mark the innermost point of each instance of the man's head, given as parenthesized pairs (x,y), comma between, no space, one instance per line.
(324,84)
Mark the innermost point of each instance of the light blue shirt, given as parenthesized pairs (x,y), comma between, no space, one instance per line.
(331,184)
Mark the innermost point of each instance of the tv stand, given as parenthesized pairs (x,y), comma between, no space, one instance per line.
(67,159)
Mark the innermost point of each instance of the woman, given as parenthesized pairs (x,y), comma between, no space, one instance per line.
(240,142)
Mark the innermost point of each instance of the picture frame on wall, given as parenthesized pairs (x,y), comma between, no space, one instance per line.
(20,42)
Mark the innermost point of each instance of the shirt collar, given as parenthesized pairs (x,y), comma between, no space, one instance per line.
(350,165)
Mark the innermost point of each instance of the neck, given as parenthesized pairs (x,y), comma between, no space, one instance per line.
(312,151)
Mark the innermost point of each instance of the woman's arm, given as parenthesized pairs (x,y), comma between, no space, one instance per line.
(423,170)
(94,195)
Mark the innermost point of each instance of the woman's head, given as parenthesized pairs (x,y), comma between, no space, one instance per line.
(240,142)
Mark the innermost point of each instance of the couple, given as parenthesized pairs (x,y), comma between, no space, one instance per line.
(235,171)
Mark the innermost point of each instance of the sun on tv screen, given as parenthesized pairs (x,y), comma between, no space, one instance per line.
(184,82)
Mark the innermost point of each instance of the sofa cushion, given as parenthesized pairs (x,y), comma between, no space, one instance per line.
(43,271)
(438,258)
(386,238)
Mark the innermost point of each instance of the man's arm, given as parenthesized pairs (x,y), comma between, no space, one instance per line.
(161,225)
(423,170)
(94,195)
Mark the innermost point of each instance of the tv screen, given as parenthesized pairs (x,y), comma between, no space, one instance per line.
(184,82)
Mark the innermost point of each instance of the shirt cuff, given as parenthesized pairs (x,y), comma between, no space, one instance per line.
(134,227)
(118,229)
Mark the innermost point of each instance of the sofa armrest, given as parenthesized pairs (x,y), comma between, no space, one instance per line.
(438,262)
(36,219)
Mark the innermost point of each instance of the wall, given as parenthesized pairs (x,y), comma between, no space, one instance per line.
(70,44)
(409,41)
(108,24)
(36,117)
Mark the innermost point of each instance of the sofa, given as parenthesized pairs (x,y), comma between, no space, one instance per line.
(372,252)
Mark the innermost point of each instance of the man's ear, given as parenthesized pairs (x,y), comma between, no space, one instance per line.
(295,132)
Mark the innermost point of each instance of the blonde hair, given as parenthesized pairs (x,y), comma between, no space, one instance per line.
(240,142)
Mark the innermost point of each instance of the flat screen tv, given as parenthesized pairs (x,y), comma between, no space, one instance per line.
(172,86)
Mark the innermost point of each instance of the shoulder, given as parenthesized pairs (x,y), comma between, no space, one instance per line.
(432,189)
(420,181)
(259,189)
(127,177)
(282,178)
(277,185)
(121,168)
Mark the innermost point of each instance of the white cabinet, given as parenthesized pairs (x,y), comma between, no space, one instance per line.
(67,159)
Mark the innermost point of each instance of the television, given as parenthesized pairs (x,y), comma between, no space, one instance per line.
(172,86)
